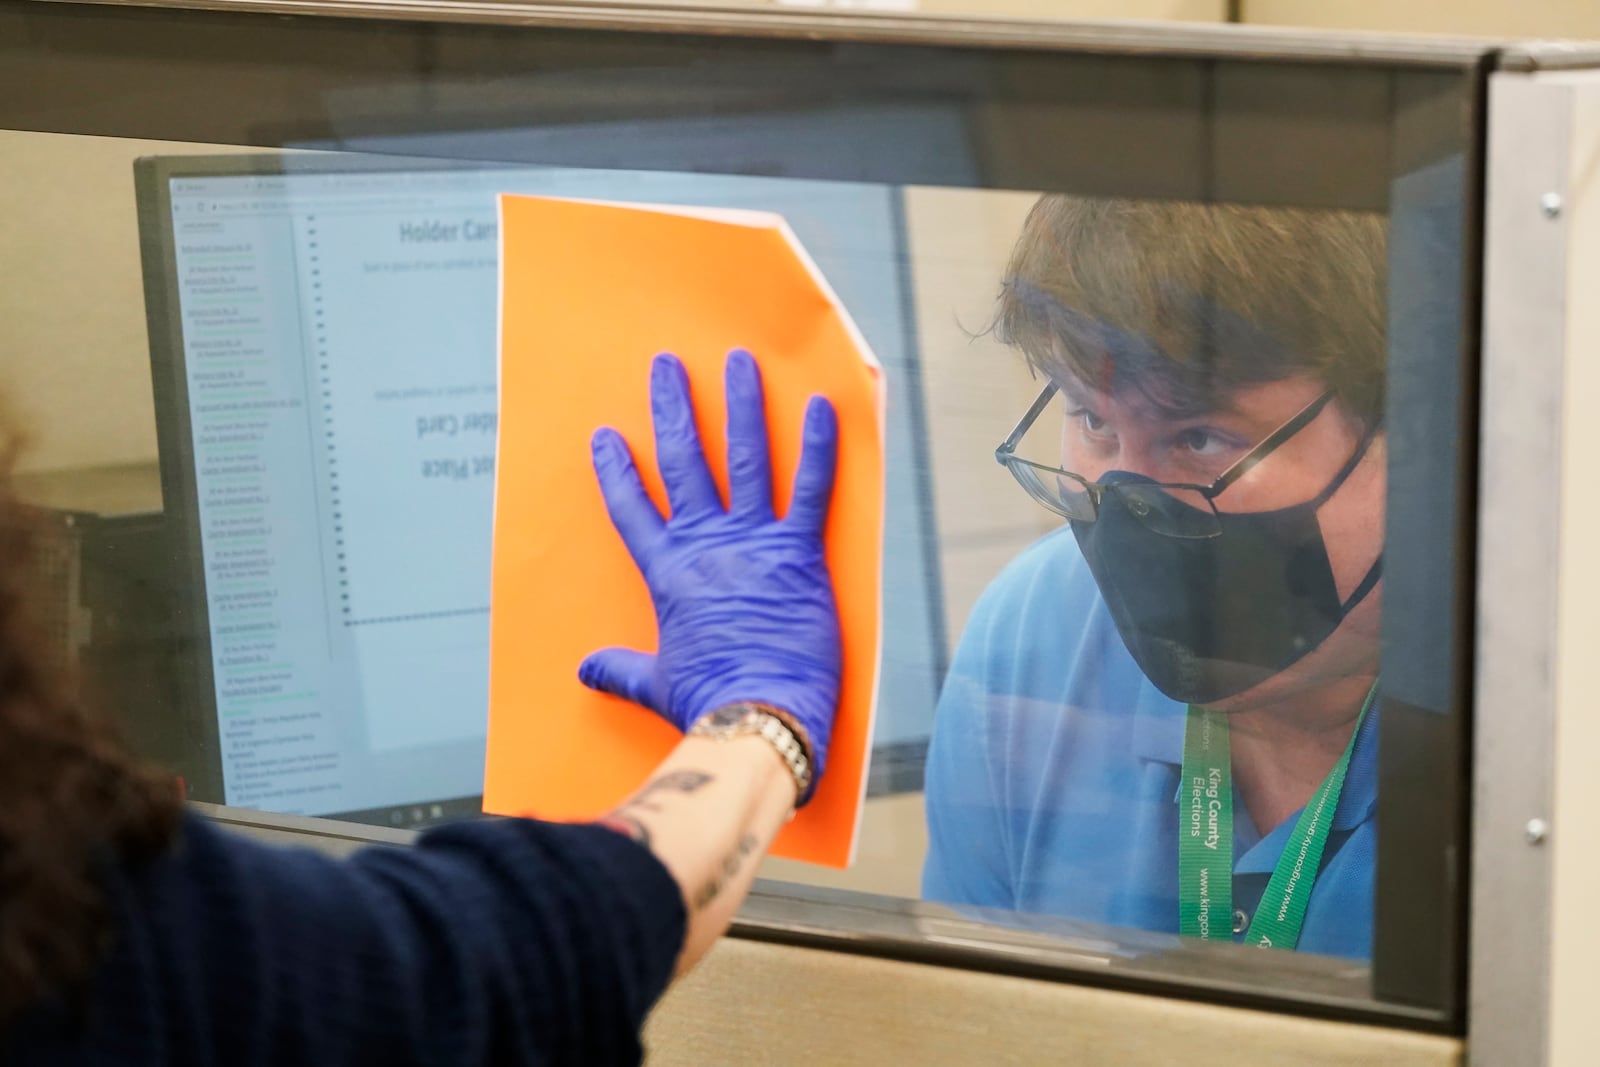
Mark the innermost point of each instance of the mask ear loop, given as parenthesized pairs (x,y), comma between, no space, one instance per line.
(1348,469)
(1374,572)
(1360,592)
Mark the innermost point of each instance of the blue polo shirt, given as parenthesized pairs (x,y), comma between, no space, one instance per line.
(1052,777)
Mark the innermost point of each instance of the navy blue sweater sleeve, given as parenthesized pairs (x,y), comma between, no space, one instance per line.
(505,942)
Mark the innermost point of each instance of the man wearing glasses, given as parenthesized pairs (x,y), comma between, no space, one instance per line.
(1162,715)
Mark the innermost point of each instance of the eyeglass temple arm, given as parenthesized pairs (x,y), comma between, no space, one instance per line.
(1247,462)
(1009,445)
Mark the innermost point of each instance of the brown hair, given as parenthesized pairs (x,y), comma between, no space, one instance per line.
(1188,302)
(72,800)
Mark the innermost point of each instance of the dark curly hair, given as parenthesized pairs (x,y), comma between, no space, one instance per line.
(72,798)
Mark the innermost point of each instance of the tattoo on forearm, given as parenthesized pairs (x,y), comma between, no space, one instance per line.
(671,782)
(628,826)
(732,863)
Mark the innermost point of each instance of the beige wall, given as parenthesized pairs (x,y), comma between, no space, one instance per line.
(74,355)
(1178,10)
(975,388)
(1175,10)
(1501,18)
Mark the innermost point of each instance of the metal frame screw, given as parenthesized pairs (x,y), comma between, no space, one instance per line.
(1550,204)
(1536,831)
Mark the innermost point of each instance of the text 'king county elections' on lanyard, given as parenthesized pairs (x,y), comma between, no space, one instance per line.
(1205,840)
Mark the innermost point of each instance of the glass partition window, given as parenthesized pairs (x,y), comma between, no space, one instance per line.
(1173,480)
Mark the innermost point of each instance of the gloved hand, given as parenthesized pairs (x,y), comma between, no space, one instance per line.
(744,603)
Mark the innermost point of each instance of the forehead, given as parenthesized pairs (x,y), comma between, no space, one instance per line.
(1130,372)
(1256,405)
(1147,398)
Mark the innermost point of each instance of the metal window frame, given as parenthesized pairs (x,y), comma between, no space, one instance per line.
(1092,37)
(1538,399)
(1526,363)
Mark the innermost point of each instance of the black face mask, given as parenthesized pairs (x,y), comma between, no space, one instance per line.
(1208,618)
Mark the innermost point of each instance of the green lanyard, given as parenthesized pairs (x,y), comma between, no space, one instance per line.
(1205,840)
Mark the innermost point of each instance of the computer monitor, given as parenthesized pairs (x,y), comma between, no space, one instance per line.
(323,347)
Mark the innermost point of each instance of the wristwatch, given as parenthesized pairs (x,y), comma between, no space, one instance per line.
(762,720)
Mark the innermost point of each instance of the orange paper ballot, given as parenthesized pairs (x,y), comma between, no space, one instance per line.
(589,293)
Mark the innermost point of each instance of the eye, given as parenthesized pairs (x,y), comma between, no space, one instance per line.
(1200,441)
(1092,424)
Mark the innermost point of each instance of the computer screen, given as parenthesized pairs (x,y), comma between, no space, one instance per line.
(324,355)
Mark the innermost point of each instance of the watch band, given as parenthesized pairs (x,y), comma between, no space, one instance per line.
(747,718)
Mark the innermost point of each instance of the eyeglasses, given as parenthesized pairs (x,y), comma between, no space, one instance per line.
(1170,508)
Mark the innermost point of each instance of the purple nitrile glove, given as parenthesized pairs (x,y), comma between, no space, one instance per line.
(744,604)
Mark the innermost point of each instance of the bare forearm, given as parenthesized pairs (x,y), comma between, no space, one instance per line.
(709,814)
